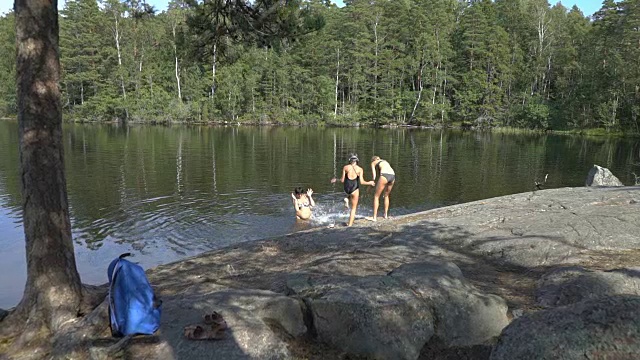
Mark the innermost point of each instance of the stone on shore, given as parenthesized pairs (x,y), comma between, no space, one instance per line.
(372,316)
(463,315)
(600,176)
(570,285)
(604,328)
(254,317)
(3,314)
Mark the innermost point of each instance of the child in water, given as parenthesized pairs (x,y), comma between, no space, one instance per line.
(302,203)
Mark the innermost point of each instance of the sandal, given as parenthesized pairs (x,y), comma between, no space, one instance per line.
(199,332)
(216,319)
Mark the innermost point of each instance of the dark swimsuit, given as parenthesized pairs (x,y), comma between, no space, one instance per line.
(351,185)
(390,177)
(303,204)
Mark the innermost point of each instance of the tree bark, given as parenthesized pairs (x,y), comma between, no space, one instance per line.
(53,291)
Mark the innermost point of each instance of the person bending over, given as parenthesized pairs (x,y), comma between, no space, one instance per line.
(302,203)
(352,178)
(386,180)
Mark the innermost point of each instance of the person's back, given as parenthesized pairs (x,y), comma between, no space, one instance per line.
(352,177)
(386,177)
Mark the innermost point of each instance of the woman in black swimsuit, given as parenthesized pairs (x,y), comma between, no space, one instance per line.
(386,180)
(352,177)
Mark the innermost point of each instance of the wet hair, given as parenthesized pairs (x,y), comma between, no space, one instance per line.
(298,191)
(375,158)
(353,158)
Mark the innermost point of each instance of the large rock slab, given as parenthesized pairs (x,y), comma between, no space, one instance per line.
(372,316)
(541,228)
(255,319)
(464,316)
(605,328)
(600,176)
(570,285)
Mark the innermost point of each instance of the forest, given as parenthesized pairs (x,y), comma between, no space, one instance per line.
(512,63)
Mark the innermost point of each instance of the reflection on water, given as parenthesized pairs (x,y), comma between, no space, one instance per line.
(164,193)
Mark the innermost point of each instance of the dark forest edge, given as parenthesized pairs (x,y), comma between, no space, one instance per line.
(437,63)
(594,132)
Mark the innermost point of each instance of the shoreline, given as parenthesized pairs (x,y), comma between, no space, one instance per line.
(593,132)
(274,293)
(502,245)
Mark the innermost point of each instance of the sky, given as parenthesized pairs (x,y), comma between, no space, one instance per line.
(588,7)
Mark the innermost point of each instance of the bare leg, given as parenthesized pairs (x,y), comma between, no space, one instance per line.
(354,204)
(382,182)
(346,202)
(387,192)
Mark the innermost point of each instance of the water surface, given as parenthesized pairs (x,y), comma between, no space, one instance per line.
(165,193)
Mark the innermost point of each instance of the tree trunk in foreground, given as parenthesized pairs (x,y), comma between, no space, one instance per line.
(53,291)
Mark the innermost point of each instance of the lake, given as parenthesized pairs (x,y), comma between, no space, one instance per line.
(165,193)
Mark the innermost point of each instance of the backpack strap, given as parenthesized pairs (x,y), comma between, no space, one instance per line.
(115,330)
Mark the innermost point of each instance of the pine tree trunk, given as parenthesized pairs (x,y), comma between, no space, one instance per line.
(213,70)
(53,289)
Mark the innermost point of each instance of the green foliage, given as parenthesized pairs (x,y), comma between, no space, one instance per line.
(533,115)
(8,100)
(510,63)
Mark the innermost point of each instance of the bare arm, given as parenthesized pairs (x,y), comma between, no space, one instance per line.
(344,174)
(373,171)
(311,202)
(363,181)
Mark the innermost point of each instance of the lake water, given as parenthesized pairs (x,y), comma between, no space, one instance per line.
(165,193)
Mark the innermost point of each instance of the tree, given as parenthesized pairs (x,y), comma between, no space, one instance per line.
(53,292)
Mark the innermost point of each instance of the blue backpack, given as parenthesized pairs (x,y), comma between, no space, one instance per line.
(133,306)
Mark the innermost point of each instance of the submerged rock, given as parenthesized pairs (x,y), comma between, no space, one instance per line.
(605,328)
(599,176)
(570,285)
(464,316)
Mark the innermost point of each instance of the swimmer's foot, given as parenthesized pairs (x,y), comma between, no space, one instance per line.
(371,218)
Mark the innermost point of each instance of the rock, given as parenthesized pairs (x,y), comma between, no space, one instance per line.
(297,283)
(463,315)
(599,176)
(604,328)
(517,313)
(255,319)
(3,314)
(569,285)
(546,228)
(373,316)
